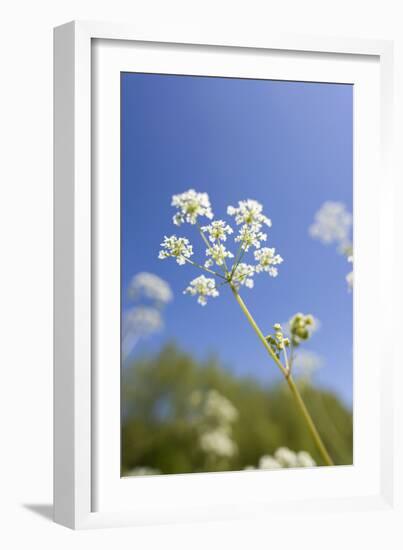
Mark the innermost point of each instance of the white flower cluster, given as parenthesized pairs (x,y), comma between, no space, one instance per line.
(217,230)
(191,205)
(219,407)
(267,259)
(249,212)
(176,247)
(332,224)
(250,236)
(285,458)
(218,442)
(218,253)
(150,294)
(149,286)
(249,216)
(243,275)
(202,287)
(216,414)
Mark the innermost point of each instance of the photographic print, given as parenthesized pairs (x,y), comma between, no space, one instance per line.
(236,274)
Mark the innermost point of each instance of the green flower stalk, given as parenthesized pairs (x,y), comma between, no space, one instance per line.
(252,223)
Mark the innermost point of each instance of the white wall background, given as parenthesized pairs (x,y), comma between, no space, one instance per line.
(26,258)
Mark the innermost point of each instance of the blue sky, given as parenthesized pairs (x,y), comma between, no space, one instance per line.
(287,145)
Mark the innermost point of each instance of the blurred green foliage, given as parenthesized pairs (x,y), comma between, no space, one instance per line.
(157,427)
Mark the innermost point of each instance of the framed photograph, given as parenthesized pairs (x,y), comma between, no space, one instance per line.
(223,214)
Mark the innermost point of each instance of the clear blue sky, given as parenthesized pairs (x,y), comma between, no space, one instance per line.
(287,145)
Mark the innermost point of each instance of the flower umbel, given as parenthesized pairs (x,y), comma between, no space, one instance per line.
(203,287)
(243,275)
(249,212)
(218,253)
(176,247)
(249,216)
(191,205)
(267,259)
(250,235)
(332,225)
(217,230)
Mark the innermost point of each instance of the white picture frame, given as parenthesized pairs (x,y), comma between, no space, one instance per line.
(88,491)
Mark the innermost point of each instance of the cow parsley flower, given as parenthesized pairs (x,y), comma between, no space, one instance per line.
(191,205)
(220,408)
(267,258)
(202,287)
(139,322)
(250,235)
(249,212)
(218,442)
(243,275)
(332,225)
(176,247)
(218,253)
(150,286)
(286,457)
(218,230)
(304,460)
(267,462)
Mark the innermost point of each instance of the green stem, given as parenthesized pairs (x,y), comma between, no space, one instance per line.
(310,423)
(204,268)
(291,384)
(257,330)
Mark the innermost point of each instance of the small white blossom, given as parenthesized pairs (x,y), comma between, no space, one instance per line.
(267,259)
(267,462)
(305,460)
(220,408)
(202,287)
(191,205)
(218,442)
(250,235)
(217,230)
(150,286)
(218,253)
(286,457)
(243,275)
(332,225)
(139,322)
(249,212)
(176,247)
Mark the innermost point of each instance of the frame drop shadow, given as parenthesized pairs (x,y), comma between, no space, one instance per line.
(44,510)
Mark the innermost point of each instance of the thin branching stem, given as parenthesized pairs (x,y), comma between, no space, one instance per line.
(291,384)
(205,269)
(203,236)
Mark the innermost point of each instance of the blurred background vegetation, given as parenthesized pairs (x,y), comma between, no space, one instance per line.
(163,422)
